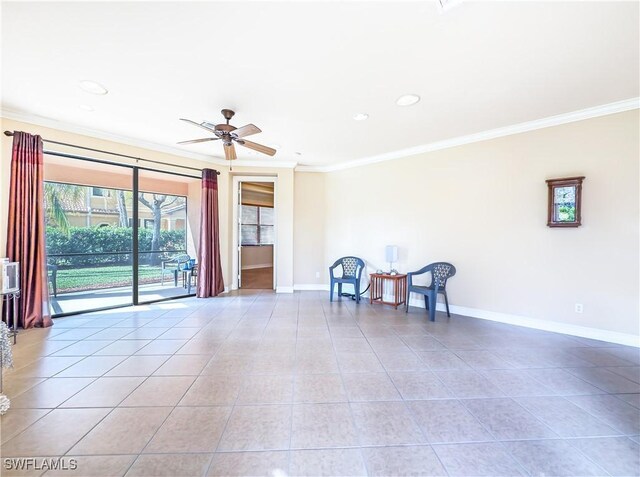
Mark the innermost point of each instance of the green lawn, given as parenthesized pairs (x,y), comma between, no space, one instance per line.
(80,279)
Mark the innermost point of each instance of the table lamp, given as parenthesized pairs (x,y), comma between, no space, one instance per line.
(391,252)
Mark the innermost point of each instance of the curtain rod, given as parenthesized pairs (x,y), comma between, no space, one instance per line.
(10,133)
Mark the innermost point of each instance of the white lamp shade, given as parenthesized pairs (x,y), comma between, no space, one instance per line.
(391,252)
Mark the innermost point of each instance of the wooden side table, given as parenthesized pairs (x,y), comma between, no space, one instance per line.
(399,282)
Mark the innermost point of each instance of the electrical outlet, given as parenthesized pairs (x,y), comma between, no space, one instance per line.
(317,274)
(579,308)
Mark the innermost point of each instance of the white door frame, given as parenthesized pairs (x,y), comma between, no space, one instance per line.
(235,241)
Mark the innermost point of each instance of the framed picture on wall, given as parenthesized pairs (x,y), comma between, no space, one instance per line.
(565,202)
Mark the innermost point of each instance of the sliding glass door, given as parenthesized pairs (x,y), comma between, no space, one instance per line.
(88,236)
(166,255)
(98,215)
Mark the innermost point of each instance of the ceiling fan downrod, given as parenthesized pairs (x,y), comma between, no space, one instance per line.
(227,114)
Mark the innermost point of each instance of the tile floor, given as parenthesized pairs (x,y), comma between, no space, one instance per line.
(261,384)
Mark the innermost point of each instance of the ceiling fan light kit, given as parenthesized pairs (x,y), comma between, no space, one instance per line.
(229,135)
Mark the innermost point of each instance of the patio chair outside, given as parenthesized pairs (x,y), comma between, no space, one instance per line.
(173,265)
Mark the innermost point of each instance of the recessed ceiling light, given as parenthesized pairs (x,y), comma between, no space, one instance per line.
(407,99)
(92,87)
(361,116)
(86,107)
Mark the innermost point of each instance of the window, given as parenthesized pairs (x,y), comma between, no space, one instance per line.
(257,225)
(148,223)
(99,192)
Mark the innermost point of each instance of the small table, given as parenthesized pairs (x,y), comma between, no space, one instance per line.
(12,295)
(187,276)
(399,282)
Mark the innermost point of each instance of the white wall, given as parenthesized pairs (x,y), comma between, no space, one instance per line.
(483,207)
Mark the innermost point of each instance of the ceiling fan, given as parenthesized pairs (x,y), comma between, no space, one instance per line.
(230,134)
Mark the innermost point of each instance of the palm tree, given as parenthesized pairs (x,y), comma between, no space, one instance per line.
(55,195)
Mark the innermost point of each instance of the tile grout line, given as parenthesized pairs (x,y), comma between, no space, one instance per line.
(231,411)
(348,403)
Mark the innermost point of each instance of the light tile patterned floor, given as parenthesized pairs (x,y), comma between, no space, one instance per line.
(261,384)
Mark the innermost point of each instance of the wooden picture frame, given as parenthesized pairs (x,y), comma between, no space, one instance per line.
(565,202)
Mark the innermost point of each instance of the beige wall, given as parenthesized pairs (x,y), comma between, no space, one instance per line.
(483,206)
(257,256)
(309,229)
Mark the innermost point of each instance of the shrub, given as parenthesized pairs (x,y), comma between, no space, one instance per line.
(91,241)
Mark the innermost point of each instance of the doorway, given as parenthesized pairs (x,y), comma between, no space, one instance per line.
(256,234)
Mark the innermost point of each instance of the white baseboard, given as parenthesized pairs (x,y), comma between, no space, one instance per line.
(284,289)
(259,265)
(535,323)
(311,287)
(517,320)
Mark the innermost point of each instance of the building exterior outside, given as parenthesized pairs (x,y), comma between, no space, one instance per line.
(97,206)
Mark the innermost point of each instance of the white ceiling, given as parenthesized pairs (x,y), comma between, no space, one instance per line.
(301,70)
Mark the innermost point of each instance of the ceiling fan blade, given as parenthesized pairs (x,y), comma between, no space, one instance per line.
(198,124)
(245,131)
(230,152)
(257,147)
(193,141)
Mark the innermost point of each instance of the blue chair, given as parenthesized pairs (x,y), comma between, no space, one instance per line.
(351,272)
(440,273)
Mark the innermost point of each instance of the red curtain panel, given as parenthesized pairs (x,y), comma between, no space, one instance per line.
(25,235)
(210,281)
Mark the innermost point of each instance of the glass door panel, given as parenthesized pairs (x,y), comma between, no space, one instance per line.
(88,235)
(166,246)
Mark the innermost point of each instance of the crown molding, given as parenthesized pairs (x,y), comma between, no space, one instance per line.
(580,115)
(98,134)
(265,164)
(129,141)
(588,113)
